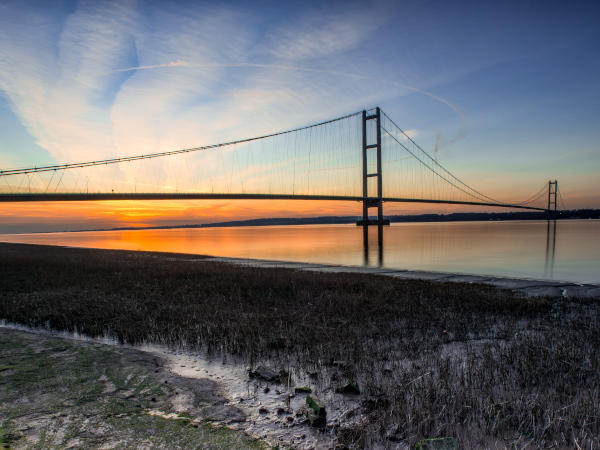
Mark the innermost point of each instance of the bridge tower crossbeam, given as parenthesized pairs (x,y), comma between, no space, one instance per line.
(367,153)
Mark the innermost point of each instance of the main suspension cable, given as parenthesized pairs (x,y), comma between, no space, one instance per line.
(435,161)
(160,154)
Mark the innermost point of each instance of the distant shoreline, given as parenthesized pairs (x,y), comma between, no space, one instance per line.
(345,220)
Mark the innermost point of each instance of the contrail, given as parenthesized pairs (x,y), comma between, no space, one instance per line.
(181,63)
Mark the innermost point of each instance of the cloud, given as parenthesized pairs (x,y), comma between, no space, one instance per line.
(321,32)
(155,66)
(117,79)
(51,75)
(413,134)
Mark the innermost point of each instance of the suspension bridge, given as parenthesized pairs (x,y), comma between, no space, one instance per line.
(362,157)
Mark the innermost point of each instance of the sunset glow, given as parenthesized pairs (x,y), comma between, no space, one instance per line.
(506,96)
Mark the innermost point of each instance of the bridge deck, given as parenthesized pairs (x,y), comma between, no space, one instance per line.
(58,197)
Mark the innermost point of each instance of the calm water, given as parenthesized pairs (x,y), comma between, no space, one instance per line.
(564,250)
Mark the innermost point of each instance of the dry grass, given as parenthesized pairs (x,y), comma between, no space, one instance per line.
(431,359)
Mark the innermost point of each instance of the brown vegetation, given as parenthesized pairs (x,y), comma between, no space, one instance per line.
(431,359)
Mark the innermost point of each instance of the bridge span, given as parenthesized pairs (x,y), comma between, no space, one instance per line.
(70,197)
(362,157)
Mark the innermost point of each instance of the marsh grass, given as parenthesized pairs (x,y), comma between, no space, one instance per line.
(431,359)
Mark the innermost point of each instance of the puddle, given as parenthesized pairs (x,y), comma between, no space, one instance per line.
(275,411)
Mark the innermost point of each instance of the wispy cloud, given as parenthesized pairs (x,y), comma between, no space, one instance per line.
(324,32)
(51,75)
(115,79)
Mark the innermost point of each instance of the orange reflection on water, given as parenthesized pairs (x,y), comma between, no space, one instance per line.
(516,249)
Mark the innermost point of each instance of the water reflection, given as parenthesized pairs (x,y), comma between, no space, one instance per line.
(366,252)
(524,249)
(550,248)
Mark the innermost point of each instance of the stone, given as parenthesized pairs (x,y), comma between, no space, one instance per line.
(266,374)
(315,420)
(303,389)
(349,388)
(316,413)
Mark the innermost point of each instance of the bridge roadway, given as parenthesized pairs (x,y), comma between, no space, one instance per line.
(70,197)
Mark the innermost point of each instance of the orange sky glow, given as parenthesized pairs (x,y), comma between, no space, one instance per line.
(482,100)
(65,216)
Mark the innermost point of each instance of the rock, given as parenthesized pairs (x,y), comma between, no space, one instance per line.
(316,405)
(444,443)
(316,413)
(266,374)
(349,388)
(263,411)
(316,420)
(303,389)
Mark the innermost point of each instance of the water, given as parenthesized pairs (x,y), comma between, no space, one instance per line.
(566,250)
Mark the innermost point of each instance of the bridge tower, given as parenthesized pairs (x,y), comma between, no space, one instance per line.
(552,195)
(370,201)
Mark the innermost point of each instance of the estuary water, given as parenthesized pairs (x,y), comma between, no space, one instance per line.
(567,250)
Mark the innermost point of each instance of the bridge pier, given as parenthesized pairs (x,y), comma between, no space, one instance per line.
(372,201)
(367,259)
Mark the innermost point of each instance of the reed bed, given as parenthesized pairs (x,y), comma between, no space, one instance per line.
(431,359)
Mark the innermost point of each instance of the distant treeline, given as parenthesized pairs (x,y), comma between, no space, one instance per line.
(333,220)
(525,215)
(454,217)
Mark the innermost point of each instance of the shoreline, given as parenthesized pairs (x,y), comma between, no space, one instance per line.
(589,214)
(528,287)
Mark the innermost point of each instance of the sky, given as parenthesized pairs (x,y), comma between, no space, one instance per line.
(506,93)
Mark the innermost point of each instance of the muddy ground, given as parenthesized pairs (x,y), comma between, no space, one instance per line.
(477,364)
(60,393)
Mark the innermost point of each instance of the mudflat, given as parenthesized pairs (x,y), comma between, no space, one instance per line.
(61,393)
(470,363)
